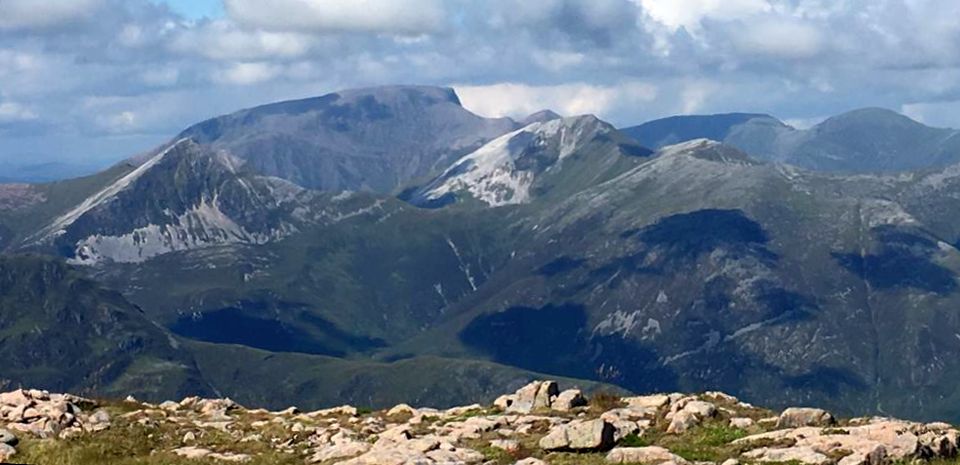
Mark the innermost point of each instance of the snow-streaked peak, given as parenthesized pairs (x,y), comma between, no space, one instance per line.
(707,149)
(687,146)
(58,225)
(502,171)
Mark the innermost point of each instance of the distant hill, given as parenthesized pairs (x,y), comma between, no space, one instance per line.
(869,140)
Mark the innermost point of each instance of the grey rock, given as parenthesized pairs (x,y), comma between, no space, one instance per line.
(7,437)
(579,435)
(568,400)
(795,417)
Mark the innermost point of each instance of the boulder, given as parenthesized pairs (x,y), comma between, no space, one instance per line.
(741,422)
(15,398)
(549,390)
(192,453)
(7,437)
(629,413)
(795,417)
(509,445)
(579,435)
(339,451)
(688,412)
(654,401)
(531,461)
(6,451)
(568,400)
(505,401)
(402,409)
(651,455)
(801,454)
(537,394)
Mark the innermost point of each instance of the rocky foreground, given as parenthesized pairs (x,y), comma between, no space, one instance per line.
(538,424)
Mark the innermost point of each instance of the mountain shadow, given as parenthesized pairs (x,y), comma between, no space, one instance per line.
(555,339)
(901,259)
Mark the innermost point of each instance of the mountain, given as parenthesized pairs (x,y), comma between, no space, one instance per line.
(62,331)
(183,197)
(861,141)
(561,247)
(675,129)
(559,154)
(375,139)
(703,269)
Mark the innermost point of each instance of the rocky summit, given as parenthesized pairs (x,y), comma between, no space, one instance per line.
(536,425)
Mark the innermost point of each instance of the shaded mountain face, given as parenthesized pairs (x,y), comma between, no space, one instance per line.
(367,139)
(62,331)
(862,141)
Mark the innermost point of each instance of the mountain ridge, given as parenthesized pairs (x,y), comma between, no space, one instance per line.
(866,140)
(699,266)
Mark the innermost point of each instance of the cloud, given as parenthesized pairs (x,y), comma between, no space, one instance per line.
(404,17)
(778,38)
(11,112)
(944,114)
(77,72)
(248,73)
(32,14)
(689,14)
(519,100)
(695,94)
(223,40)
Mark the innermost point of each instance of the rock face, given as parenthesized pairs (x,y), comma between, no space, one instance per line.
(217,431)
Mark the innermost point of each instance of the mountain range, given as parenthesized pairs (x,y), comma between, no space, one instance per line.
(386,244)
(869,140)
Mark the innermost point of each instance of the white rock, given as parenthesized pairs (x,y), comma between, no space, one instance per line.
(651,455)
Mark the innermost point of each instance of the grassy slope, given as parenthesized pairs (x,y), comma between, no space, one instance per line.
(260,378)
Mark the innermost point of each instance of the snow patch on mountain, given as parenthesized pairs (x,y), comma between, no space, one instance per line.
(492,173)
(202,226)
(58,225)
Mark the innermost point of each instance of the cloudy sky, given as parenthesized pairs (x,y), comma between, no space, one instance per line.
(93,81)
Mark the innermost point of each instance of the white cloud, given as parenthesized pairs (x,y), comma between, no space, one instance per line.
(14,112)
(248,73)
(688,14)
(558,61)
(778,38)
(518,100)
(943,114)
(695,95)
(223,40)
(160,77)
(405,17)
(118,123)
(34,14)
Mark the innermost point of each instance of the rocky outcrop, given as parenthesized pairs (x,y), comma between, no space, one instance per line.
(539,425)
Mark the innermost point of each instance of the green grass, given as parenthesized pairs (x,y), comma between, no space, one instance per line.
(133,444)
(708,442)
